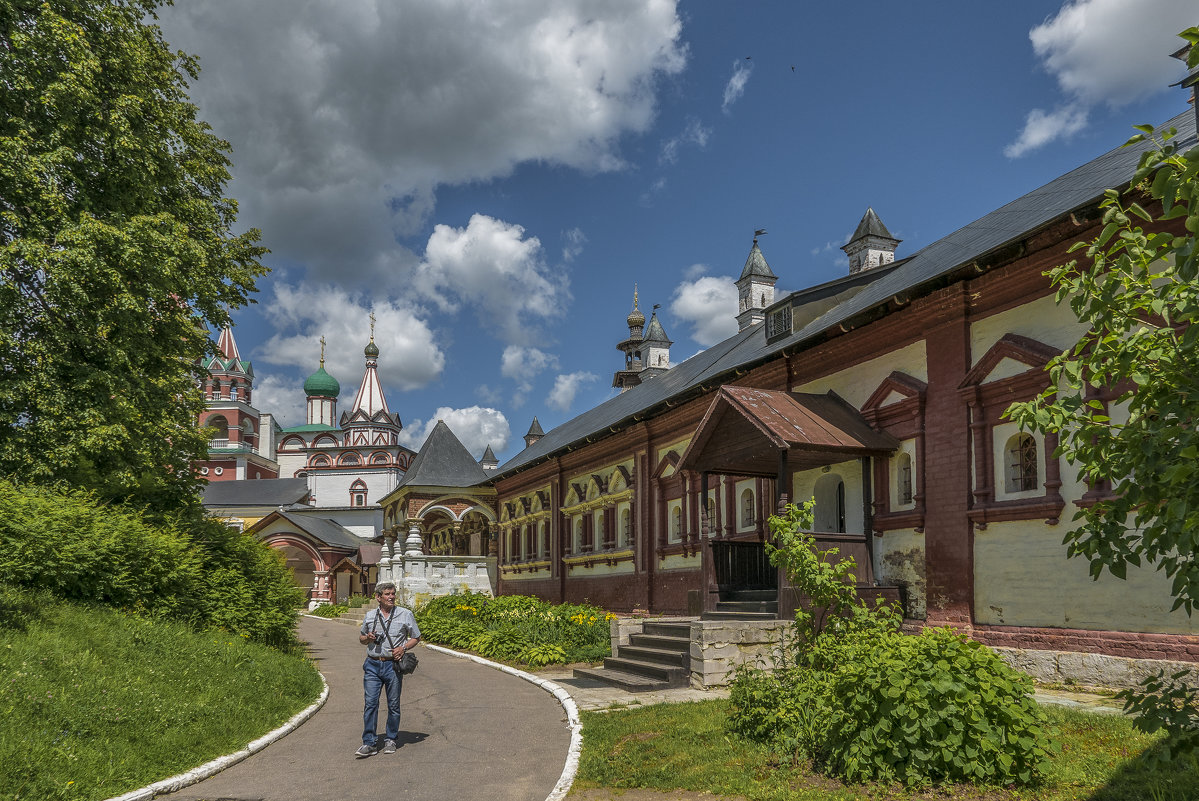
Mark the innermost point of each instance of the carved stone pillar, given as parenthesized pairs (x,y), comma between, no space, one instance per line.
(414,545)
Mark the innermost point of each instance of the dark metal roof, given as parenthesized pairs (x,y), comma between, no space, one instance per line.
(756,264)
(914,274)
(535,429)
(871,225)
(443,461)
(321,528)
(256,492)
(654,331)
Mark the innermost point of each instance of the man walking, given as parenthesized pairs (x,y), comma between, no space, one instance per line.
(387,632)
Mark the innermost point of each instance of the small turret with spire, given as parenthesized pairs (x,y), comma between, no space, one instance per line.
(871,244)
(489,462)
(755,287)
(631,347)
(535,433)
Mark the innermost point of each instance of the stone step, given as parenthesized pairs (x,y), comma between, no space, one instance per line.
(752,595)
(661,642)
(675,676)
(668,628)
(672,657)
(719,615)
(772,607)
(629,682)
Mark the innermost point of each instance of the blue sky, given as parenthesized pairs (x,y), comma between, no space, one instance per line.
(492,179)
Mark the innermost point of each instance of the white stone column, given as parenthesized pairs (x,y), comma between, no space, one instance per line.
(385,558)
(414,545)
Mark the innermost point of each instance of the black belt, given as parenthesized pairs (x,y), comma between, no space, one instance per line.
(381,658)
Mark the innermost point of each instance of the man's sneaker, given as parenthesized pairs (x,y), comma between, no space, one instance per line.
(365,751)
(389,746)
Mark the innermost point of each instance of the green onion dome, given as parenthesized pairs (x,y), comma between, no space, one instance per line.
(321,384)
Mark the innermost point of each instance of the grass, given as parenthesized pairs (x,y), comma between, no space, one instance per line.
(673,747)
(94,703)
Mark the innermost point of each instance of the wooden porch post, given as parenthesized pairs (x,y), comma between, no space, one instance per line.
(705,525)
(783,483)
(868,515)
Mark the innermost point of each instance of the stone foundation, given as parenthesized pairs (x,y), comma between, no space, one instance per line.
(1092,670)
(719,646)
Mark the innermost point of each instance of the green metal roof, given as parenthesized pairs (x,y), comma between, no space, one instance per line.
(322,384)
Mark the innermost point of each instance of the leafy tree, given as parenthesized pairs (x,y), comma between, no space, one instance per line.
(1138,292)
(117,252)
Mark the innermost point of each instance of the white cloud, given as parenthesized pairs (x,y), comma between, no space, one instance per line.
(493,268)
(409,355)
(574,244)
(736,85)
(476,427)
(566,387)
(1041,128)
(1103,52)
(709,304)
(281,397)
(693,133)
(522,365)
(345,118)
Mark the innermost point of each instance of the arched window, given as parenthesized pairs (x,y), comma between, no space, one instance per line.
(216,389)
(600,532)
(219,425)
(379,458)
(830,503)
(676,522)
(747,508)
(358,493)
(543,542)
(233,391)
(903,479)
(711,514)
(576,544)
(1020,459)
(625,533)
(320,460)
(350,459)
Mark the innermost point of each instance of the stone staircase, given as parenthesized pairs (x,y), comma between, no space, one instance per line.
(656,659)
(354,617)
(746,605)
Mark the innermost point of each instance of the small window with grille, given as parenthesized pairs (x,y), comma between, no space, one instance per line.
(1020,458)
(778,322)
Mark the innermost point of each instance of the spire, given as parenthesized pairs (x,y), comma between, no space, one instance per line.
(655,332)
(755,287)
(535,433)
(370,399)
(227,345)
(489,462)
(871,244)
(635,319)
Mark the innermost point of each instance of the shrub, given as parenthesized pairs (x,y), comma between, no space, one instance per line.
(197,571)
(934,707)
(517,628)
(330,610)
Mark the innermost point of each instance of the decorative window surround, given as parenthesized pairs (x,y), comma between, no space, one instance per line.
(903,420)
(535,566)
(988,400)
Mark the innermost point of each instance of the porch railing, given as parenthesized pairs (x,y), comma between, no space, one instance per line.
(742,566)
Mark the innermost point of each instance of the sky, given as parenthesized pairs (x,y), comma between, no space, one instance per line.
(492,179)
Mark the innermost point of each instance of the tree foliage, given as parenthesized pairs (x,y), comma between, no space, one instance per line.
(117,250)
(1137,290)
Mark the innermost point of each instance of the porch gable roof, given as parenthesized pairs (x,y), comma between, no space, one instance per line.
(745,430)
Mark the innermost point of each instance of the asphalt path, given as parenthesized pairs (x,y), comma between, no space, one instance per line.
(467,732)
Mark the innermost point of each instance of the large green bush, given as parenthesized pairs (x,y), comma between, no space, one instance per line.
(197,571)
(936,707)
(866,703)
(517,628)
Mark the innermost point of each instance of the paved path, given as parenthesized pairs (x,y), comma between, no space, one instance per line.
(467,732)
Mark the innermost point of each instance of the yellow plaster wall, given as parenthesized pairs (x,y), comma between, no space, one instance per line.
(679,562)
(1041,319)
(600,569)
(856,384)
(1023,578)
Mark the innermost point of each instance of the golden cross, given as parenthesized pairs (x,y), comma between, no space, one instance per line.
(322,350)
(372,326)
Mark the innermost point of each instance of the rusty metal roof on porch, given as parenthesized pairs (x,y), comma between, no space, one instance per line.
(745,430)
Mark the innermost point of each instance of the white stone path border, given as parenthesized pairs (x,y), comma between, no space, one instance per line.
(571,768)
(229,760)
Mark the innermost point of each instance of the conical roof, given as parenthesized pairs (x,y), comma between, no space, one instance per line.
(489,459)
(871,225)
(443,461)
(321,384)
(535,429)
(655,333)
(756,266)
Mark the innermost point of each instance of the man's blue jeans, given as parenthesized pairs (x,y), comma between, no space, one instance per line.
(380,676)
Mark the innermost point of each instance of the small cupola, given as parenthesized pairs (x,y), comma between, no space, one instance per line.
(535,433)
(871,244)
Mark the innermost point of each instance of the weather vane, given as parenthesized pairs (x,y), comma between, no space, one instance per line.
(758,232)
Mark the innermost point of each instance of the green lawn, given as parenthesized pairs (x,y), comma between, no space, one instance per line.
(686,747)
(94,703)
